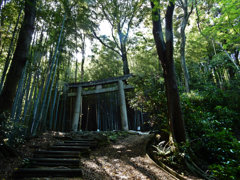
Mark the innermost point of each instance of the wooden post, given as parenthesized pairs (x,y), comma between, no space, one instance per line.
(65,90)
(77,110)
(98,109)
(123,107)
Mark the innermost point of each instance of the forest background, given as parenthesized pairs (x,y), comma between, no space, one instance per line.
(202,37)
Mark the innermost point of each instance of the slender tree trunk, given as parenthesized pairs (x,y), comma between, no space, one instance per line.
(56,112)
(9,51)
(124,59)
(83,56)
(20,97)
(76,51)
(19,58)
(4,42)
(52,107)
(28,98)
(65,89)
(18,94)
(35,108)
(29,112)
(38,54)
(165,54)
(50,95)
(182,46)
(236,54)
(76,69)
(48,80)
(123,52)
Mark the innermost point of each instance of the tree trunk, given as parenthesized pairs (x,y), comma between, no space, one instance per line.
(182,47)
(165,54)
(56,112)
(53,106)
(5,39)
(50,95)
(20,98)
(83,56)
(123,50)
(236,54)
(35,107)
(18,95)
(124,59)
(9,51)
(29,111)
(41,115)
(28,97)
(17,66)
(19,58)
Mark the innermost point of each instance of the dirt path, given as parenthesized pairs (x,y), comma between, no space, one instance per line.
(125,159)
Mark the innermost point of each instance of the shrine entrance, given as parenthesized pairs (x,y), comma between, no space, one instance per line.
(101,105)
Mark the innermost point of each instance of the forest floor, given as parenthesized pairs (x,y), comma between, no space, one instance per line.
(124,157)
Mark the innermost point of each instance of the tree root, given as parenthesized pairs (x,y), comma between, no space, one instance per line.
(195,169)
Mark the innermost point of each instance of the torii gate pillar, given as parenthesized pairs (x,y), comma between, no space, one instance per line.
(123,107)
(77,111)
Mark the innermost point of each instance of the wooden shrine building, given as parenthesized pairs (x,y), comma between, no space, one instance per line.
(101,105)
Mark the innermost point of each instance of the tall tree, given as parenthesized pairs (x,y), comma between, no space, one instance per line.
(18,65)
(20,57)
(221,26)
(83,46)
(9,51)
(165,55)
(121,16)
(184,4)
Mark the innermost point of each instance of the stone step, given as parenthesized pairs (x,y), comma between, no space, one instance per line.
(75,144)
(56,152)
(45,155)
(50,162)
(70,148)
(49,153)
(46,172)
(73,160)
(80,141)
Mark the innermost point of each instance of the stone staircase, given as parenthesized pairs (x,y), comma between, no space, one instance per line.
(59,160)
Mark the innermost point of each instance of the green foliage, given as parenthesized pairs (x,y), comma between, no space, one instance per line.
(149,96)
(224,23)
(13,132)
(114,136)
(106,64)
(105,137)
(211,121)
(162,149)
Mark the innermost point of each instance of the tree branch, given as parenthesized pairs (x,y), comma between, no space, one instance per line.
(198,20)
(181,3)
(191,10)
(103,43)
(115,40)
(228,55)
(106,15)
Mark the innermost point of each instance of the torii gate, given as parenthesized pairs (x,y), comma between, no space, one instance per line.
(121,87)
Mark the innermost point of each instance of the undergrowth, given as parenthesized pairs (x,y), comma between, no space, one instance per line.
(211,118)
